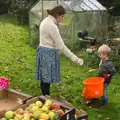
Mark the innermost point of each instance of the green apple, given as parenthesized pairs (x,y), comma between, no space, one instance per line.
(20,111)
(34,108)
(48,102)
(45,109)
(18,116)
(25,119)
(31,105)
(26,115)
(9,114)
(32,119)
(28,109)
(38,103)
(15,118)
(51,115)
(47,105)
(4,118)
(36,114)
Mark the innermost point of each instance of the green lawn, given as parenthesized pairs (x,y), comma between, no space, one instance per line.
(17,63)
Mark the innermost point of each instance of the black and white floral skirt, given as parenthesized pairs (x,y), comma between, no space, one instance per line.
(47,65)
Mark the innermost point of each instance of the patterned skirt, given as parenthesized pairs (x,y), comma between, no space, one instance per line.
(47,65)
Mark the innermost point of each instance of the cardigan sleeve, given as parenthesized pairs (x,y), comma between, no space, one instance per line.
(55,35)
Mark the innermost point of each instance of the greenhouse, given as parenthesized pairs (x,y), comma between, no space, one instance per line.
(81,14)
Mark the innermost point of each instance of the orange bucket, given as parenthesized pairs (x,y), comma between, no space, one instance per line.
(94,88)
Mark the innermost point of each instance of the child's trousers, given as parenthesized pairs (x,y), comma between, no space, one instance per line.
(104,97)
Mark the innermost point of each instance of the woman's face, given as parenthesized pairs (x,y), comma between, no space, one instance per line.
(60,18)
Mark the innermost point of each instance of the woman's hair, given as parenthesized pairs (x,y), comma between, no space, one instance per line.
(57,10)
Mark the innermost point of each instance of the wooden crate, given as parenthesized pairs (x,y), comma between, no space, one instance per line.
(10,99)
(69,115)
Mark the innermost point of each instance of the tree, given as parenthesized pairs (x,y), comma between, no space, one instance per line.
(113,6)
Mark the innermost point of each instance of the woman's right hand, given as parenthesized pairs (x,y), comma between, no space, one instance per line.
(79,61)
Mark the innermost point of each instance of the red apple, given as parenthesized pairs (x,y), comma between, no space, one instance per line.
(55,106)
(60,112)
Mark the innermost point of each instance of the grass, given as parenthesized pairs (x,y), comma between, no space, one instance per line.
(17,63)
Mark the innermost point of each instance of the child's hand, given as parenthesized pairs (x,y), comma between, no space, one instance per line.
(106,75)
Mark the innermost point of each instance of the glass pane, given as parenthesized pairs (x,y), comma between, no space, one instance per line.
(95,2)
(35,18)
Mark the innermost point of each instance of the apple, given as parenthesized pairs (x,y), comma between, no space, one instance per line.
(31,105)
(36,114)
(31,114)
(48,102)
(47,105)
(32,119)
(38,103)
(55,106)
(4,118)
(15,118)
(45,109)
(40,109)
(51,115)
(60,112)
(28,109)
(44,116)
(34,108)
(9,114)
(20,111)
(25,119)
(26,115)
(18,116)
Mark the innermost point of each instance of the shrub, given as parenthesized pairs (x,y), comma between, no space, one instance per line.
(18,8)
(3,7)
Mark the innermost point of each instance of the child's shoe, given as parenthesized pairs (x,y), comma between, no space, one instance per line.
(104,103)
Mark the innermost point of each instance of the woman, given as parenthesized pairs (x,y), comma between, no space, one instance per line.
(51,44)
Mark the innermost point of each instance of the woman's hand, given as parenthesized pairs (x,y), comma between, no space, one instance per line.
(80,61)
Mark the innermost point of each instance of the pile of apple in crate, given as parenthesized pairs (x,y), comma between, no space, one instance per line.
(36,111)
(41,108)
